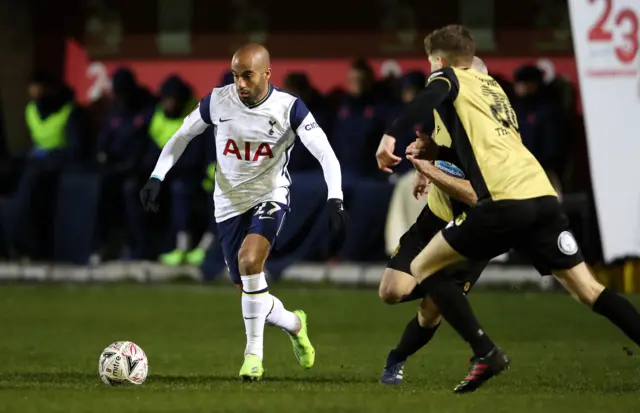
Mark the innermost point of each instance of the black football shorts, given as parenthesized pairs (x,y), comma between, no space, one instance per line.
(418,236)
(536,228)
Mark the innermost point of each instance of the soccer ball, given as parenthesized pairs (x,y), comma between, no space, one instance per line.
(123,362)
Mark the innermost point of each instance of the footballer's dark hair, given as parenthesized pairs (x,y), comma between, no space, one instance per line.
(454,42)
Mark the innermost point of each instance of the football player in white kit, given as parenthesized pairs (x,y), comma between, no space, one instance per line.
(256,126)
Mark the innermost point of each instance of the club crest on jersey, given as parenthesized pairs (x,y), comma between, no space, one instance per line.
(436,131)
(272,123)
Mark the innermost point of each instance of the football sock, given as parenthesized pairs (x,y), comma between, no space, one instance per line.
(206,241)
(415,294)
(182,241)
(620,312)
(256,304)
(283,318)
(455,308)
(413,339)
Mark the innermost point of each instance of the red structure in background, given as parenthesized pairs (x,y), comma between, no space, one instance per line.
(90,78)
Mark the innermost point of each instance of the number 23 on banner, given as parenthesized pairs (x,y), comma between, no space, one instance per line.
(626,21)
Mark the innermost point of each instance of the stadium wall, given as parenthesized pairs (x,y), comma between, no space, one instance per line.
(150,272)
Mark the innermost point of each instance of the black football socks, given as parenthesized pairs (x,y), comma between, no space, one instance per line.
(415,294)
(455,308)
(413,339)
(620,312)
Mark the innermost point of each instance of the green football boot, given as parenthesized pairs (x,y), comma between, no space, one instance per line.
(251,369)
(173,258)
(302,348)
(196,257)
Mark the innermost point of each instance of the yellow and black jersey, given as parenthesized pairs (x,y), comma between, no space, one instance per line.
(443,206)
(483,132)
(439,203)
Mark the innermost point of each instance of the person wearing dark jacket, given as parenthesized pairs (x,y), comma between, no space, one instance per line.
(541,122)
(358,124)
(410,84)
(57,127)
(175,103)
(121,146)
(298,84)
(122,140)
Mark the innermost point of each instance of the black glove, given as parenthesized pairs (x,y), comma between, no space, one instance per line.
(337,224)
(149,193)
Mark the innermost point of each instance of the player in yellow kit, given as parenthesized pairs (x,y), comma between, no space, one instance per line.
(397,284)
(517,206)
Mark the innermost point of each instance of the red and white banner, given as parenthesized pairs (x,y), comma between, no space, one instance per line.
(90,79)
(606,38)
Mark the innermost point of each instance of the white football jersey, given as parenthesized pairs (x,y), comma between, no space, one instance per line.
(252,150)
(253,144)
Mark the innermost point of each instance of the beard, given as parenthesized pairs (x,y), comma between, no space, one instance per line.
(251,97)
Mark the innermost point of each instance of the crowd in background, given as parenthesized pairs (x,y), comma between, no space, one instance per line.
(121,137)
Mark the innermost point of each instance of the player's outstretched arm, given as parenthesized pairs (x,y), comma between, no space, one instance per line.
(192,126)
(456,188)
(315,140)
(421,107)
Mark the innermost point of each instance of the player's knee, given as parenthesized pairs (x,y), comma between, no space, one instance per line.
(395,286)
(250,262)
(389,294)
(428,314)
(416,266)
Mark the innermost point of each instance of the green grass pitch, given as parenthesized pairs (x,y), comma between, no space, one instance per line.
(564,358)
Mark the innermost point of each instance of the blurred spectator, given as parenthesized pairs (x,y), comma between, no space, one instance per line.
(57,128)
(359,124)
(176,102)
(198,254)
(121,145)
(542,124)
(226,79)
(122,138)
(57,125)
(411,84)
(564,94)
(297,83)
